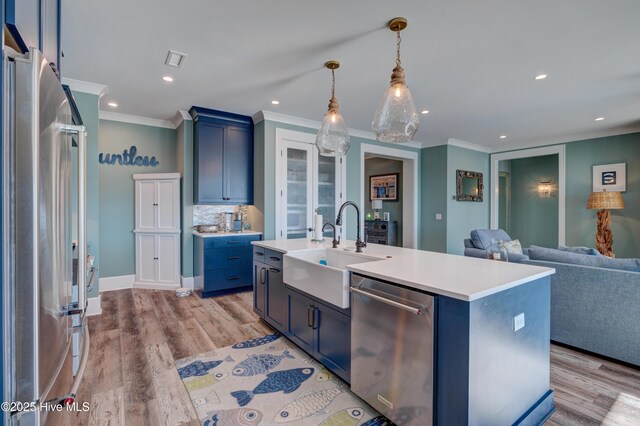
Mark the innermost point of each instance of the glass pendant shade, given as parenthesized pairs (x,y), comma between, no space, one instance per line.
(396,119)
(333,136)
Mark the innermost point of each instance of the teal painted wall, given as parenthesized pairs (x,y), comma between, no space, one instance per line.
(88,107)
(534,220)
(581,223)
(383,166)
(117,191)
(464,216)
(433,233)
(184,163)
(265,172)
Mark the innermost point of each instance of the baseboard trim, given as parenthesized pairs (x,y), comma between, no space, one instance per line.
(187,282)
(93,306)
(148,286)
(116,283)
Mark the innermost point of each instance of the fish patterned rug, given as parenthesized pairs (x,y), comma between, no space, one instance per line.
(269,381)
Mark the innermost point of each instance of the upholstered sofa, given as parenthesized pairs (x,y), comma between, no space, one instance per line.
(595,302)
(483,243)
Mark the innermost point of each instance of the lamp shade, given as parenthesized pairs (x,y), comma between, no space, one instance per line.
(605,201)
(376,204)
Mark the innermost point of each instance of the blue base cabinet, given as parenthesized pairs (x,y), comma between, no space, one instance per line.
(222,157)
(222,264)
(324,332)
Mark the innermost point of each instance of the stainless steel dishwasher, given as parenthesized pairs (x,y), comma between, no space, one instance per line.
(392,349)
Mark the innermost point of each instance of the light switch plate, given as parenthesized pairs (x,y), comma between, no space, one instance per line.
(518,322)
(438,216)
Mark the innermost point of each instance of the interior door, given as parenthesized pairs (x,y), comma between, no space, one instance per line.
(296,193)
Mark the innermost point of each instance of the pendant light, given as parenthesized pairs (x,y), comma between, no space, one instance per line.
(396,119)
(333,137)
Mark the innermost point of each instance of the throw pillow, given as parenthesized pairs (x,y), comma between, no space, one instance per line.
(512,246)
(580,250)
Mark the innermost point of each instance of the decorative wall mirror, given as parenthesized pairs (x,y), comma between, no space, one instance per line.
(469,186)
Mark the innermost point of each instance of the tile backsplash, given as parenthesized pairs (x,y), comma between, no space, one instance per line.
(213,215)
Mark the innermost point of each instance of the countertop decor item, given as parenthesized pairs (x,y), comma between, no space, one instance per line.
(396,119)
(333,136)
(603,202)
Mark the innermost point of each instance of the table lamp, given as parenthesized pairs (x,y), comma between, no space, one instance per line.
(376,205)
(603,202)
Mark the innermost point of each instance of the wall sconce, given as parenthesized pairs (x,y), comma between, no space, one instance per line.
(544,189)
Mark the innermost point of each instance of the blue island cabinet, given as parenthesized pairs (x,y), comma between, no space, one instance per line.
(222,157)
(321,330)
(269,298)
(222,264)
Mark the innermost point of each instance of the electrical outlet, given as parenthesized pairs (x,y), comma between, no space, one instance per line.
(518,322)
(438,216)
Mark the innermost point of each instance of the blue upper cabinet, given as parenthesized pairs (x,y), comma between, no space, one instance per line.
(35,23)
(222,157)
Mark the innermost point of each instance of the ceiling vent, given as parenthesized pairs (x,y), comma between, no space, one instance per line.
(175,59)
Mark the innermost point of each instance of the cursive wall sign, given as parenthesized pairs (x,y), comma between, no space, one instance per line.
(128,158)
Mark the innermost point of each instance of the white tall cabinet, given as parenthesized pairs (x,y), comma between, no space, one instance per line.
(157,231)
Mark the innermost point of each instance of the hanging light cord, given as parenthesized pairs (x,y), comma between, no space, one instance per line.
(333,83)
(398,49)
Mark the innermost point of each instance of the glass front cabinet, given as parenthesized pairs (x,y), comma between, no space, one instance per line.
(305,182)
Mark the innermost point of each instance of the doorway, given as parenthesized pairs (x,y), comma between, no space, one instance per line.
(383,204)
(407,190)
(554,207)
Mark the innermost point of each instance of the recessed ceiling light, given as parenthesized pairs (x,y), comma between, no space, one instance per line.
(113,104)
(540,77)
(503,136)
(424,111)
(599,118)
(275,102)
(167,78)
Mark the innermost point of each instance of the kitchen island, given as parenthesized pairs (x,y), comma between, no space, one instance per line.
(488,340)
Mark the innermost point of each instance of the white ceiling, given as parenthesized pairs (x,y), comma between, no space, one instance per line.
(470,63)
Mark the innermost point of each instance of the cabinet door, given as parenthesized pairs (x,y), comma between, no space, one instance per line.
(333,340)
(276,306)
(296,195)
(167,258)
(208,163)
(300,310)
(167,205)
(238,165)
(146,258)
(146,205)
(259,287)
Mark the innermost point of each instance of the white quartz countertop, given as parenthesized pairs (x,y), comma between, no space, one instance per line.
(225,234)
(459,277)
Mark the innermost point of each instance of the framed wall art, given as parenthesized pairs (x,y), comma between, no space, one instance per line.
(384,187)
(610,177)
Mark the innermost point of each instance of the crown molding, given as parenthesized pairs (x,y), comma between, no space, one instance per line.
(468,145)
(181,115)
(85,87)
(265,115)
(136,119)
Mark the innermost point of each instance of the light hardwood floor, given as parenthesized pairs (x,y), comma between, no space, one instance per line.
(131,379)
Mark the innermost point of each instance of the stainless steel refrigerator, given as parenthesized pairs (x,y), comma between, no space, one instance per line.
(41,202)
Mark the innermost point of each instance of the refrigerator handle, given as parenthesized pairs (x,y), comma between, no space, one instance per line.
(81,306)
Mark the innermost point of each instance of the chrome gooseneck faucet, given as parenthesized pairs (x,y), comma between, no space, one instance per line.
(359,243)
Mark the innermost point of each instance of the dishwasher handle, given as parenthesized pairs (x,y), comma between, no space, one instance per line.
(415,311)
